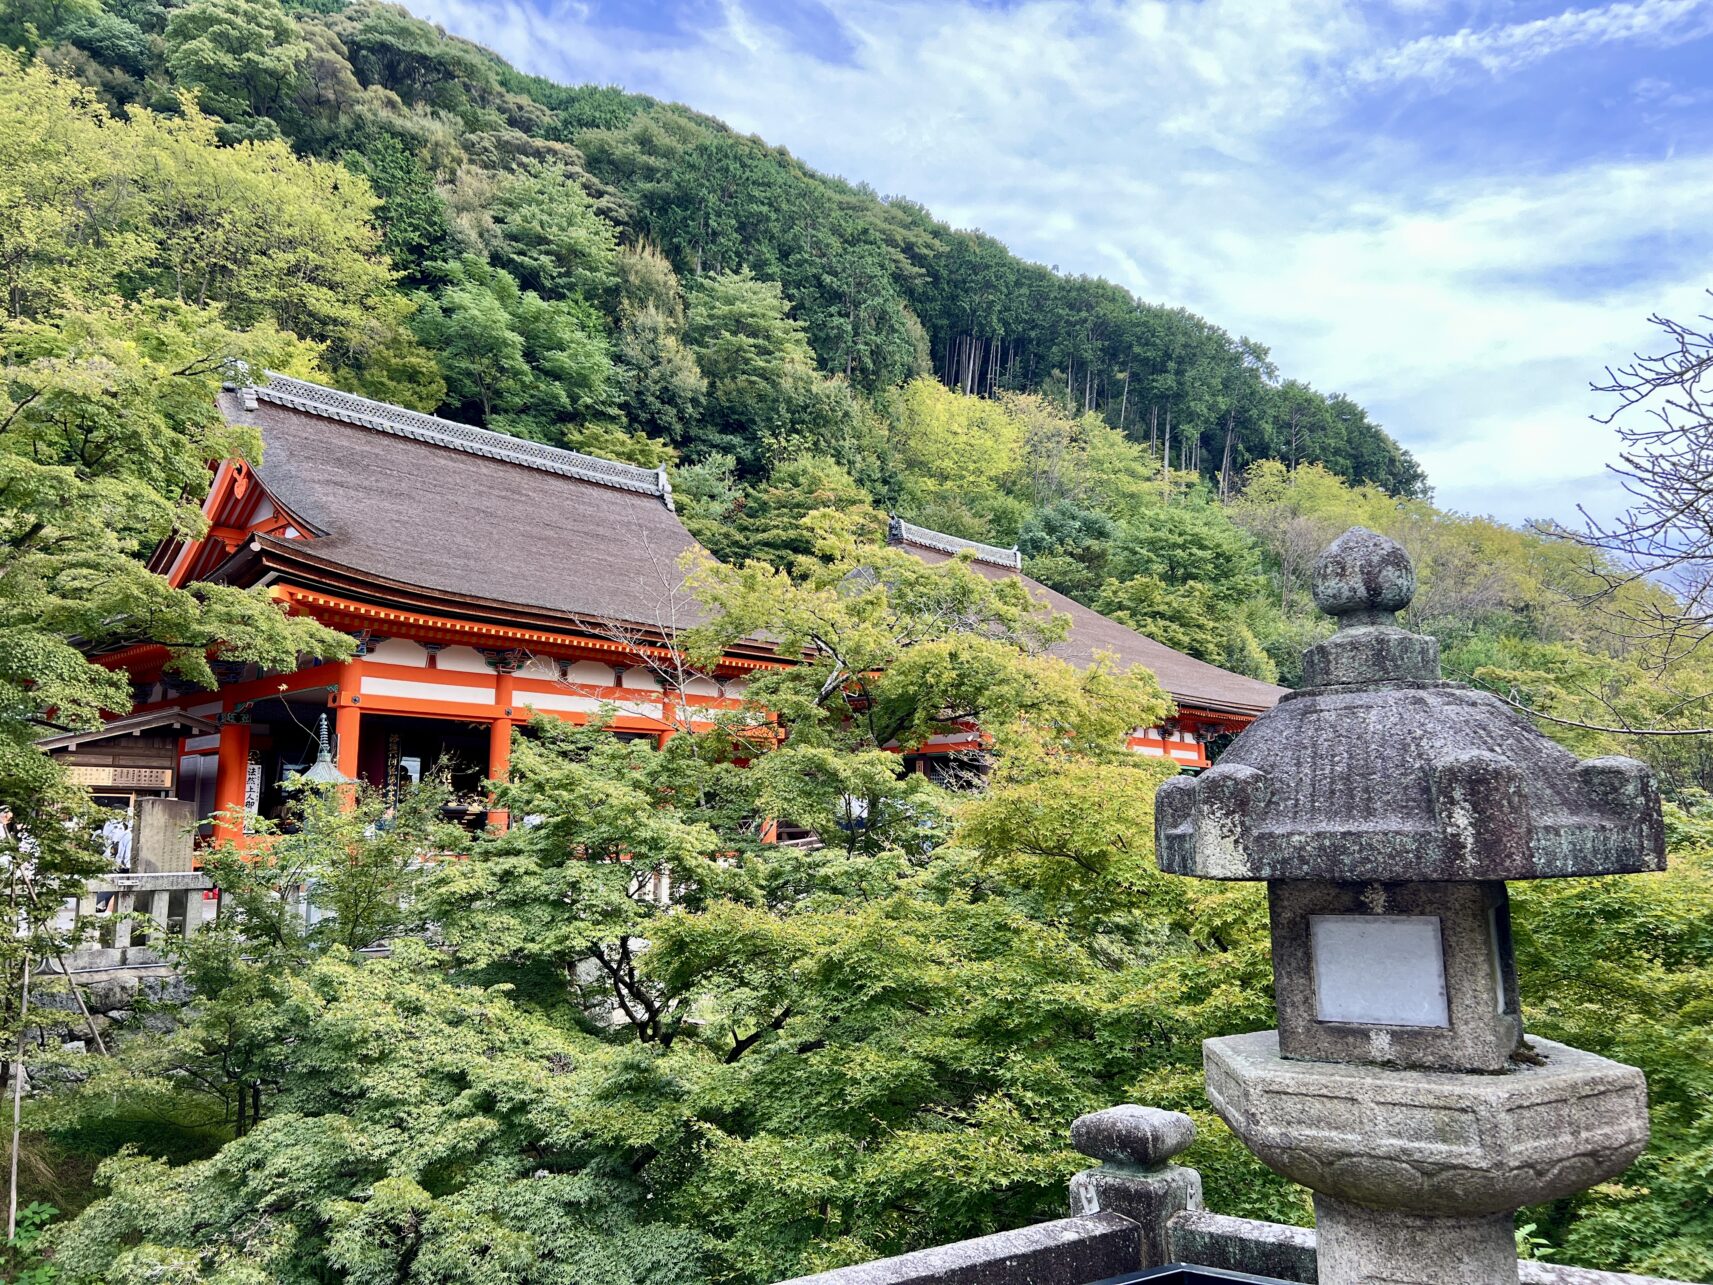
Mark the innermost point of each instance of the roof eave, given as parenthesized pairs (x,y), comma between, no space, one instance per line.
(331,576)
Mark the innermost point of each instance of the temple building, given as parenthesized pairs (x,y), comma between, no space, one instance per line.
(1214,704)
(485,578)
(482,576)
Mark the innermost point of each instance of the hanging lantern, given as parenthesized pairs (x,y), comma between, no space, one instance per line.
(323,771)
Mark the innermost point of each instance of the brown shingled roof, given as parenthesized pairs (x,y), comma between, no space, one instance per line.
(1190,682)
(405,499)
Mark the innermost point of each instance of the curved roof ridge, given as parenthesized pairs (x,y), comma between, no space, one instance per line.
(331,403)
(901,532)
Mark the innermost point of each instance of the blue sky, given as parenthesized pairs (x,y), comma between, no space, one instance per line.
(1456,213)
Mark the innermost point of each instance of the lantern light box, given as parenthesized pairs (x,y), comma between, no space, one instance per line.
(1380,969)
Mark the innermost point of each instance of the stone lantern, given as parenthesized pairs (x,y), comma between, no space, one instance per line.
(1386,808)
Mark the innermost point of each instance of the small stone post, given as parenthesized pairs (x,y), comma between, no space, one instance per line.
(160,904)
(124,903)
(1386,808)
(1133,1145)
(193,910)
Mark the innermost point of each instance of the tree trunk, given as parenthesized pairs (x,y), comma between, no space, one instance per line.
(850,351)
(1124,401)
(1166,454)
(18,1101)
(1225,460)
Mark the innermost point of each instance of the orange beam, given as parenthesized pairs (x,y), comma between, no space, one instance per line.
(138,656)
(391,620)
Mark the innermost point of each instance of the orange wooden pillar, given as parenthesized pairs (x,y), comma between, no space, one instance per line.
(500,746)
(499,766)
(231,777)
(347,728)
(347,720)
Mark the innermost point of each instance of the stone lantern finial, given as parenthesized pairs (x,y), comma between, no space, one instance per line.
(1385,808)
(1363,578)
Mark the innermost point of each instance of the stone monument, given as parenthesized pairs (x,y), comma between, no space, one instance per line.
(1386,807)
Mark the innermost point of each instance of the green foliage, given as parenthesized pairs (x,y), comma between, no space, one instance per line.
(109,39)
(416,231)
(422,1135)
(26,24)
(757,362)
(769,520)
(513,360)
(92,206)
(243,56)
(1184,617)
(660,388)
(661,391)
(26,1265)
(1620,967)
(548,235)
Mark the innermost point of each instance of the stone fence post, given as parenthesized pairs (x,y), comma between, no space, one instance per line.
(1134,1145)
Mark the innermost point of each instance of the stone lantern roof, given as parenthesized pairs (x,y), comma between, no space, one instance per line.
(1380,769)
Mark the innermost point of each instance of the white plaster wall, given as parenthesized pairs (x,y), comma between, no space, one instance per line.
(465,659)
(399,651)
(592,672)
(542,667)
(637,676)
(588,704)
(456,692)
(561,701)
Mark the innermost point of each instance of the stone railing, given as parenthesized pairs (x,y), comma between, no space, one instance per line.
(174,900)
(1133,1211)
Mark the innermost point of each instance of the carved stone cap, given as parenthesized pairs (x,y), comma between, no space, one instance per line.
(1363,578)
(1133,1135)
(1380,770)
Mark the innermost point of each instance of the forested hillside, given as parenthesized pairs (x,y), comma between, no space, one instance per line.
(527,223)
(595,269)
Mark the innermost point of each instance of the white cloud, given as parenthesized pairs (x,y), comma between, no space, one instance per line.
(1163,145)
(1506,48)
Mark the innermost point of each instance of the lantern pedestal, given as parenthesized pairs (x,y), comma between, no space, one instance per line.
(1364,1244)
(1371,1245)
(1416,1173)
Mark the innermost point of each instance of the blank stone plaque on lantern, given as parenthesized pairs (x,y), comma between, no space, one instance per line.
(1386,970)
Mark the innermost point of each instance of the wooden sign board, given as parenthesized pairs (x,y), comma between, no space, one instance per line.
(113,776)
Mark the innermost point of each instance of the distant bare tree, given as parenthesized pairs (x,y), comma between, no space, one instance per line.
(1664,418)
